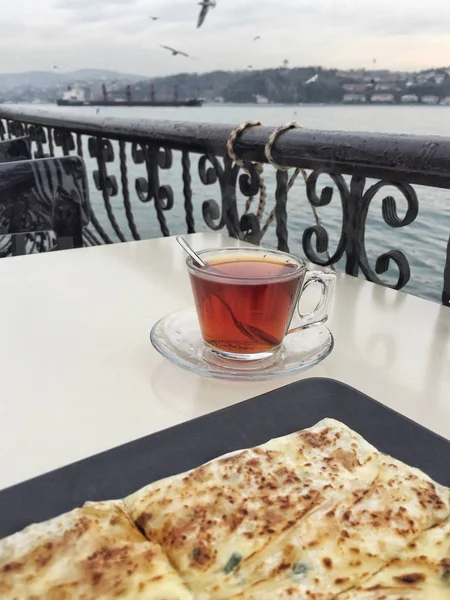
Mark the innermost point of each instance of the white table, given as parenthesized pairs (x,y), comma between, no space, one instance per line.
(78,374)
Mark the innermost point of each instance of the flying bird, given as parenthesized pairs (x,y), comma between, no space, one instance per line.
(250,67)
(54,66)
(175,52)
(312,79)
(153,18)
(206,5)
(258,37)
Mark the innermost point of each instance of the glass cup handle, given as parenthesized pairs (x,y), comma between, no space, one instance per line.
(327,281)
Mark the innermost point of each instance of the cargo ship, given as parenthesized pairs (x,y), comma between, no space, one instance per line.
(75,96)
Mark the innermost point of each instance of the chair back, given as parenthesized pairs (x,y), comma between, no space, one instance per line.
(15,149)
(49,194)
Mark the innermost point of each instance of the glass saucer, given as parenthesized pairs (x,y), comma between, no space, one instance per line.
(177,337)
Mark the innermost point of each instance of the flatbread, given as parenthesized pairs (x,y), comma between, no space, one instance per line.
(316,515)
(91,553)
(421,572)
(333,550)
(211,518)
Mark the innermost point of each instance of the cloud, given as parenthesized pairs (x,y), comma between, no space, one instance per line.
(92,11)
(119,34)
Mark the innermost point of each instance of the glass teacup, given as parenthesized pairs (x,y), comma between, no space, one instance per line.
(246,299)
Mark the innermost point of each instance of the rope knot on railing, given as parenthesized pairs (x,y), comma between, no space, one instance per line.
(268,152)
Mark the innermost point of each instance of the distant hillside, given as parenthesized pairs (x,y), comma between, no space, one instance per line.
(44,79)
(282,85)
(285,85)
(277,85)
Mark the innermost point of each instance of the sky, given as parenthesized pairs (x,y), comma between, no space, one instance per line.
(119,34)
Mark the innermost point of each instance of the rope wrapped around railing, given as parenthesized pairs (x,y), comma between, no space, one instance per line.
(260,169)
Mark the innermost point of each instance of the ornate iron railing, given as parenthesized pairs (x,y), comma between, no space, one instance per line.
(349,160)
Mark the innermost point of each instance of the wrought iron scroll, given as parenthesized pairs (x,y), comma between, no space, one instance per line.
(15,129)
(215,216)
(281,198)
(356,201)
(64,140)
(187,191)
(126,191)
(51,145)
(102,150)
(149,188)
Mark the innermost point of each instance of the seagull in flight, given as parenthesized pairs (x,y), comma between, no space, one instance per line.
(153,18)
(54,66)
(206,5)
(258,37)
(312,79)
(175,52)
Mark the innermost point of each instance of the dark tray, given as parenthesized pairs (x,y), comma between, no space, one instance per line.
(122,470)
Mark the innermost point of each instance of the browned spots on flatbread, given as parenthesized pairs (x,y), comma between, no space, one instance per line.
(410,578)
(254,493)
(105,556)
(284,566)
(96,577)
(428,497)
(347,459)
(12,566)
(318,439)
(327,563)
(143,519)
(355,563)
(202,556)
(95,552)
(375,588)
(41,556)
(291,591)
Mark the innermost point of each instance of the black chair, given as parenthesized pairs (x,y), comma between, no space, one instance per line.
(49,194)
(15,149)
(10,151)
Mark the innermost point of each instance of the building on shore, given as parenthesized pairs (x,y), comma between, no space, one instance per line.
(409,99)
(382,99)
(432,100)
(356,88)
(354,99)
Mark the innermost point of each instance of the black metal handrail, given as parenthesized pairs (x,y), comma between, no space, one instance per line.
(393,160)
(418,159)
